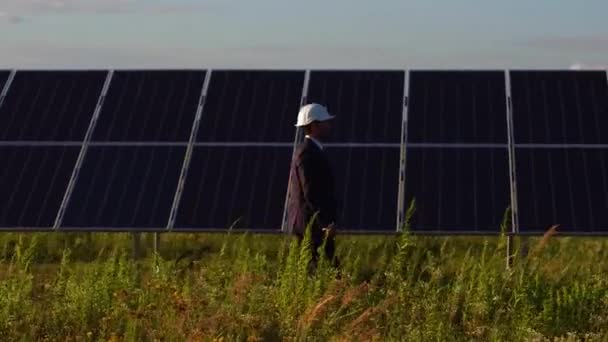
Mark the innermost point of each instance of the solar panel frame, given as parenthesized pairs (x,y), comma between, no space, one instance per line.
(297,138)
(512,160)
(189,150)
(83,151)
(402,153)
(6,78)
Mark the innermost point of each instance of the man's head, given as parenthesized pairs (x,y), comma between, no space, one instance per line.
(316,120)
(318,129)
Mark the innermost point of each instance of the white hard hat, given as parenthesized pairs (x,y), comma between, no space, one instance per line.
(312,112)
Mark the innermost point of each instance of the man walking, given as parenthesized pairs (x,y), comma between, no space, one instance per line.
(312,197)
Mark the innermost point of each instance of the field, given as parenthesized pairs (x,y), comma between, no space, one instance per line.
(88,286)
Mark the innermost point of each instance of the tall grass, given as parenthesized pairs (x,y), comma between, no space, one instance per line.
(255,287)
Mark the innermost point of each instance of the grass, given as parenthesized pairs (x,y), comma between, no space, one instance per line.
(80,287)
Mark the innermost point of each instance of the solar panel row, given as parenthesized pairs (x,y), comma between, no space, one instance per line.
(459,156)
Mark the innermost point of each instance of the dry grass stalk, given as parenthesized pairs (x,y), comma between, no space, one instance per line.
(197,335)
(545,240)
(360,325)
(317,312)
(336,286)
(242,285)
(355,293)
(368,335)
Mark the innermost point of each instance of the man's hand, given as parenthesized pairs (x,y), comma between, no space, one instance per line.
(330,231)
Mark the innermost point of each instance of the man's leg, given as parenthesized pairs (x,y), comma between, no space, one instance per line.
(315,243)
(330,251)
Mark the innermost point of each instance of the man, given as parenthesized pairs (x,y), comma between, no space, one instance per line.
(312,194)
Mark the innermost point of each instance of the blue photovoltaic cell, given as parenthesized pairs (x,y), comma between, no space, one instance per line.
(367,181)
(150,106)
(33,181)
(457,189)
(368,105)
(457,107)
(239,187)
(560,107)
(568,187)
(125,187)
(258,106)
(50,105)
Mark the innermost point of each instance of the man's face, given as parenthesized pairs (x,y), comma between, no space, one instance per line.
(322,129)
(326,128)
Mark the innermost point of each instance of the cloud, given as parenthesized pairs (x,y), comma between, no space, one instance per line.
(10,18)
(58,55)
(591,43)
(53,55)
(27,7)
(583,66)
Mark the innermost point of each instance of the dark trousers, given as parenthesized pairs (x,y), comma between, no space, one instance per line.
(317,240)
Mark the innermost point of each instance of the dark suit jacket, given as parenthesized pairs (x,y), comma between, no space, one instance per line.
(312,189)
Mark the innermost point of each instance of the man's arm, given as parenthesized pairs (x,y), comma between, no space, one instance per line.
(317,195)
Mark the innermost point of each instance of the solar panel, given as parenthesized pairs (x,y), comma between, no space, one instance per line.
(457,163)
(560,151)
(458,189)
(251,106)
(457,107)
(565,186)
(32,183)
(241,187)
(368,105)
(50,105)
(560,107)
(367,183)
(125,187)
(154,105)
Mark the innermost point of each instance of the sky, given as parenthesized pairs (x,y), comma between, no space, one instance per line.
(283,34)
